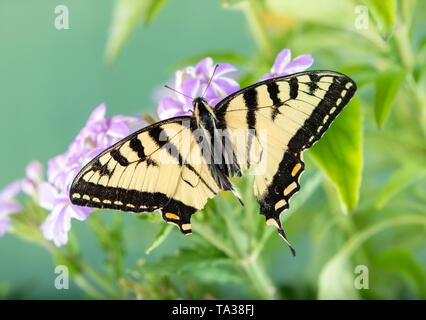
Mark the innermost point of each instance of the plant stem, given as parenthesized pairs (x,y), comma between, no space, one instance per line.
(215,241)
(87,287)
(404,47)
(259,278)
(357,240)
(99,279)
(258,31)
(236,234)
(249,209)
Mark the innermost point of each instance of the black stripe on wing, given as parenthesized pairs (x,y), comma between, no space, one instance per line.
(173,211)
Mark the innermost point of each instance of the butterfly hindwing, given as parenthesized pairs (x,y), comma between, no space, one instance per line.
(282,117)
(147,171)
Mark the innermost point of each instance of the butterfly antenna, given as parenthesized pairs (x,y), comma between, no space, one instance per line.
(210,80)
(166,86)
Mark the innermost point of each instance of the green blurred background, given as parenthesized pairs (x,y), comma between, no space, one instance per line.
(52,79)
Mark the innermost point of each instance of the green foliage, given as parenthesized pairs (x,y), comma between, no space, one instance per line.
(127,15)
(339,153)
(398,181)
(378,171)
(403,263)
(335,280)
(387,84)
(159,238)
(384,13)
(198,264)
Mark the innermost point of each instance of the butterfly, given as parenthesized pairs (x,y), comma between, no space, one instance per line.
(174,166)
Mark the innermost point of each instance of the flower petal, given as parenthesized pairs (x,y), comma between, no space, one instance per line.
(118,129)
(225,86)
(168,108)
(79,213)
(4,225)
(11,190)
(47,195)
(57,168)
(9,207)
(301,63)
(282,59)
(34,171)
(224,68)
(192,89)
(211,92)
(135,123)
(266,77)
(204,68)
(98,114)
(28,186)
(213,102)
(57,225)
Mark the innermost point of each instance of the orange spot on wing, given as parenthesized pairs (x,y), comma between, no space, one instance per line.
(172,216)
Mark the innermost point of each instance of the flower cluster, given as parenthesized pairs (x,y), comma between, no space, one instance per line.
(98,134)
(8,205)
(283,65)
(29,184)
(207,80)
(193,82)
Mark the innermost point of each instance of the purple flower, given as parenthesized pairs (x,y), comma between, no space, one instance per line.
(192,82)
(283,64)
(8,205)
(34,176)
(98,134)
(58,223)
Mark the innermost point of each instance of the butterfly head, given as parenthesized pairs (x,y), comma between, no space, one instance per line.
(203,113)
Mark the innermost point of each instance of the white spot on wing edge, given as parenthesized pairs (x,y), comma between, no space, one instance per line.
(272,222)
(280,204)
(186,226)
(290,188)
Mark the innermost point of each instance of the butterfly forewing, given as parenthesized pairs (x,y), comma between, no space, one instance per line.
(149,170)
(283,116)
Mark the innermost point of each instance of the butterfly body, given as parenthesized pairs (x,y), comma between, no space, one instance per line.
(213,143)
(176,165)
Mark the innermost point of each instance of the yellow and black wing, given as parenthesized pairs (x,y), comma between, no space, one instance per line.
(160,167)
(282,117)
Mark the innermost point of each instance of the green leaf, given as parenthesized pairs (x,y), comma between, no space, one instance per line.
(230,3)
(202,264)
(387,84)
(159,238)
(334,281)
(127,14)
(401,178)
(339,153)
(26,224)
(110,237)
(403,262)
(153,9)
(384,14)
